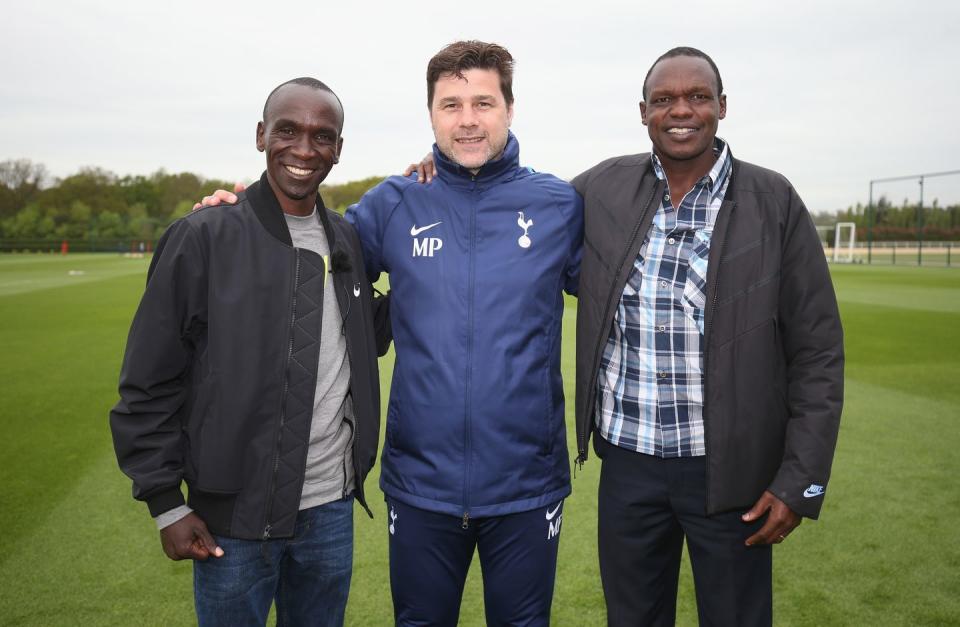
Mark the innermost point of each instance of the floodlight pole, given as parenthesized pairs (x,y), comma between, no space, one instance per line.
(870,226)
(920,226)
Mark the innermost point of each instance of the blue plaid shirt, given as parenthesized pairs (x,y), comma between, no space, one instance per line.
(650,396)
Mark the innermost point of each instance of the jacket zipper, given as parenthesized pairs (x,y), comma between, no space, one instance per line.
(469,382)
(592,390)
(355,424)
(283,399)
(358,487)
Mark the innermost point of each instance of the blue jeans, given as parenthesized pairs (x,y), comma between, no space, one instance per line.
(308,575)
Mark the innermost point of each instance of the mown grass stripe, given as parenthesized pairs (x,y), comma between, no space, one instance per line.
(76,549)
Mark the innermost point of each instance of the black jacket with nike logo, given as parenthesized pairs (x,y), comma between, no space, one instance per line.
(773,344)
(219,375)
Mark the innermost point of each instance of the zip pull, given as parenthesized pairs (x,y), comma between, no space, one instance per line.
(466,521)
(266,532)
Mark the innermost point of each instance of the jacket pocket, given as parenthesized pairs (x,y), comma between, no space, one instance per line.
(193,430)
(223,443)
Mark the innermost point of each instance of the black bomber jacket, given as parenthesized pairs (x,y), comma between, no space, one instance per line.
(219,375)
(773,343)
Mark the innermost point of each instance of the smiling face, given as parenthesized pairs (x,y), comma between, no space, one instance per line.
(301,135)
(682,110)
(470,117)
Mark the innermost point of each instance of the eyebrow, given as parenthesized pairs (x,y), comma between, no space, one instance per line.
(455,99)
(694,88)
(284,122)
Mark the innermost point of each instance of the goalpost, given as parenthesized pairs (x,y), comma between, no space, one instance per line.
(848,246)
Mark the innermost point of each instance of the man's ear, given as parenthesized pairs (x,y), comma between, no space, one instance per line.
(643,112)
(261,145)
(723,107)
(336,155)
(509,115)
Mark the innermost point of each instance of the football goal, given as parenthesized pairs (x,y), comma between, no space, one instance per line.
(838,241)
(843,247)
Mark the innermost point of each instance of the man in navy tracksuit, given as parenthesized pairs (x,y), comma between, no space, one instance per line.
(475,454)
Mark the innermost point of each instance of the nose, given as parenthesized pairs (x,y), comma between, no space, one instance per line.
(680,108)
(303,147)
(468,117)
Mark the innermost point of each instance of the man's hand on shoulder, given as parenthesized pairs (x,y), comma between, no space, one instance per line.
(781,520)
(425,170)
(221,195)
(189,538)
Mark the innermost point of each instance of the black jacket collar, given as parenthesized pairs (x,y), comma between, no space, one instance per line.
(267,209)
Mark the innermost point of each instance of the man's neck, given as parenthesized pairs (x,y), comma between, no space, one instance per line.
(301,207)
(297,209)
(683,175)
(294,206)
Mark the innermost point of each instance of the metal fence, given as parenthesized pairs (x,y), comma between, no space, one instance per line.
(902,253)
(86,245)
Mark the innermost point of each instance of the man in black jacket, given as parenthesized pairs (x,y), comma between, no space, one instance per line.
(251,375)
(709,360)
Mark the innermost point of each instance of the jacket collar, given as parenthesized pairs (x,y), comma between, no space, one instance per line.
(491,172)
(267,209)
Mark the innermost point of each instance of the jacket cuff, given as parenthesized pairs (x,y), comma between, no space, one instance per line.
(164,501)
(805,500)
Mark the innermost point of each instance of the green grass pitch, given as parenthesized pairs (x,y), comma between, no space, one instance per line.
(76,549)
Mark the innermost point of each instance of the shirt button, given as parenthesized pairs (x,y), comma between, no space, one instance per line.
(666,197)
(672,241)
(662,328)
(663,283)
(662,374)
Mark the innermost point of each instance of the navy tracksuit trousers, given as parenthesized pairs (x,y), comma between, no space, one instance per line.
(430,555)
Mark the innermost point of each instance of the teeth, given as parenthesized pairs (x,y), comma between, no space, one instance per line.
(681,131)
(297,171)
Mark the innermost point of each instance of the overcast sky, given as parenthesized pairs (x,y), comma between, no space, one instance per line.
(831,94)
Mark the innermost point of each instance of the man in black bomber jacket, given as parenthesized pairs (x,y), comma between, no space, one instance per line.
(709,360)
(251,375)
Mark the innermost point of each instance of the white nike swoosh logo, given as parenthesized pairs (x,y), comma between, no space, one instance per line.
(812,493)
(414,231)
(550,514)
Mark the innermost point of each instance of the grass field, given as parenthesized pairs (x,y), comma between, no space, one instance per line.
(76,549)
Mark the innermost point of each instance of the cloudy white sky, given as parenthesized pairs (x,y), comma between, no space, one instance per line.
(831,94)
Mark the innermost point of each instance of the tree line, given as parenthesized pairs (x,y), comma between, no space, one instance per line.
(95,204)
(908,221)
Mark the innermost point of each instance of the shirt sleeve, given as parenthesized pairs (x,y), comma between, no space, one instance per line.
(169,517)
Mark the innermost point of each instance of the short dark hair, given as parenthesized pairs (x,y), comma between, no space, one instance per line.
(461,56)
(305,81)
(684,51)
